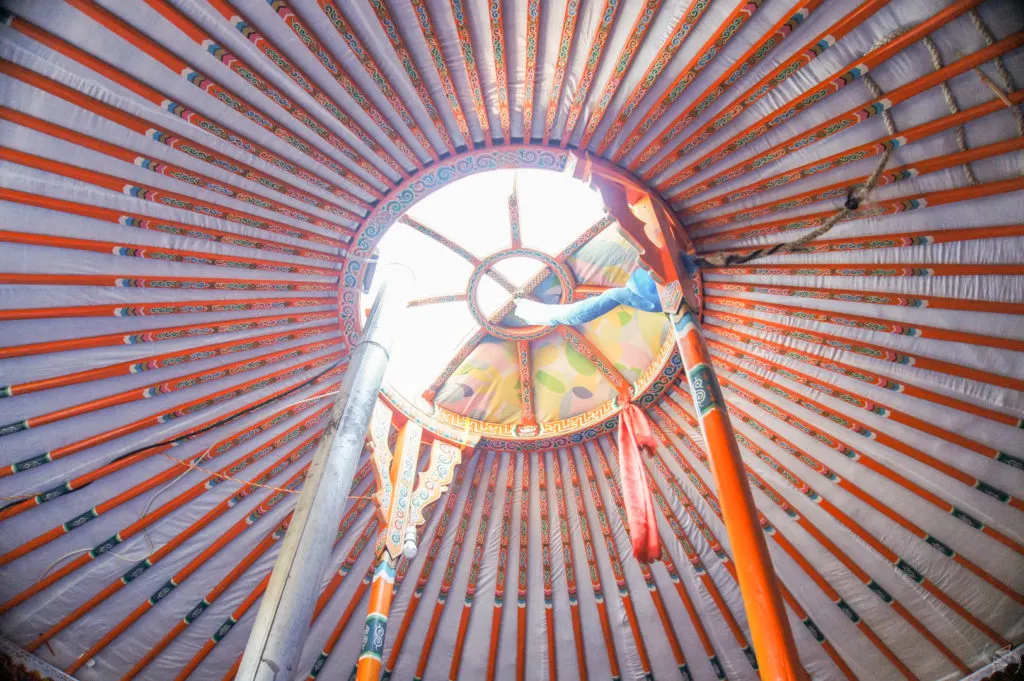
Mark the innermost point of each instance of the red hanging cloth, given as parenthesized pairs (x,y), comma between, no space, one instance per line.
(635,435)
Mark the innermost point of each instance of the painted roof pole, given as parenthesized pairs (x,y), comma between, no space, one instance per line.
(651,225)
(282,622)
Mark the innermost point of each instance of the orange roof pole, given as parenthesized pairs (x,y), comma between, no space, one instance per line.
(650,223)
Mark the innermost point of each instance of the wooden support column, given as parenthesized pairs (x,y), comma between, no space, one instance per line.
(762,598)
(282,622)
(402,498)
(650,224)
(396,475)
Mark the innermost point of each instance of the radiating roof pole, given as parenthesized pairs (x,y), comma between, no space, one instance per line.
(282,622)
(651,225)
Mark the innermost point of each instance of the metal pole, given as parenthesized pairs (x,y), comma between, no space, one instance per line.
(282,622)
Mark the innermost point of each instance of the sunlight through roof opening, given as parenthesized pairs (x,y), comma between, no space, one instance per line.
(444,239)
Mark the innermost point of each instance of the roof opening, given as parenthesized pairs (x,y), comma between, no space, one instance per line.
(473,245)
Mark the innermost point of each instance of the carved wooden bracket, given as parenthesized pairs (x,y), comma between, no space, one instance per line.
(648,222)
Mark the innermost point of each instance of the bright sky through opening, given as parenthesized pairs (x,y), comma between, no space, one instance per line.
(473,212)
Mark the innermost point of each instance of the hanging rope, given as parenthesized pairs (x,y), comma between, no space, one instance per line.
(954,108)
(856,197)
(859,194)
(204,429)
(1006,80)
(241,481)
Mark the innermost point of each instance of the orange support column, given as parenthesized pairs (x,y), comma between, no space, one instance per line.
(396,475)
(402,498)
(650,224)
(769,627)
(381,590)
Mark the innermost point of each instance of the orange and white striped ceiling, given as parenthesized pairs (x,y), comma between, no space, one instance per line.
(191,192)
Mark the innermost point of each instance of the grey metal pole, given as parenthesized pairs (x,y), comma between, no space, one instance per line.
(283,620)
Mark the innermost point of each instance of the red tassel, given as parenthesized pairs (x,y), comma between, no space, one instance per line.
(635,435)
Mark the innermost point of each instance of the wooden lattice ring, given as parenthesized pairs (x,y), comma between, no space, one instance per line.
(565,278)
(385,212)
